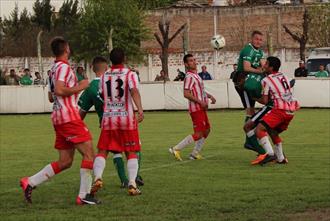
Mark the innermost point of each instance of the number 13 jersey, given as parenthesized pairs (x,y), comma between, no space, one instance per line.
(115,86)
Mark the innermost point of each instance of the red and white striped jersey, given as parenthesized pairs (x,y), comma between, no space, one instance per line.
(277,86)
(65,109)
(195,84)
(115,85)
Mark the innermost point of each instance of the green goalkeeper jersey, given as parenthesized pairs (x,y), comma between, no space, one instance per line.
(91,97)
(253,80)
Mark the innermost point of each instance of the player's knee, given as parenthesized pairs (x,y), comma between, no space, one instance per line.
(131,155)
(65,164)
(276,139)
(197,135)
(206,133)
(261,131)
(248,126)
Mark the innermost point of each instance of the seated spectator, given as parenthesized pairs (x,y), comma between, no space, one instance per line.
(301,71)
(322,73)
(162,76)
(204,74)
(181,75)
(12,78)
(81,75)
(38,80)
(234,72)
(26,78)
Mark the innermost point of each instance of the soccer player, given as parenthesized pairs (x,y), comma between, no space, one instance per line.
(91,97)
(119,89)
(276,87)
(198,104)
(247,81)
(71,132)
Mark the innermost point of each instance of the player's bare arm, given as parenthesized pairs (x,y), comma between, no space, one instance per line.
(187,94)
(62,90)
(82,114)
(213,100)
(50,97)
(248,68)
(137,101)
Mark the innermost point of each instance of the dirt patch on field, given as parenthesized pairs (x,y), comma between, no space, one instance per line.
(311,215)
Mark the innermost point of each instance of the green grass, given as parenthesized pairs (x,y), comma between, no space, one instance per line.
(222,187)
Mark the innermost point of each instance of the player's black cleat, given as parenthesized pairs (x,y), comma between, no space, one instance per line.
(267,159)
(124,185)
(139,181)
(89,200)
(27,189)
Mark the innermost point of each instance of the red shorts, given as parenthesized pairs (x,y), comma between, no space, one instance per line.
(71,133)
(200,121)
(278,120)
(119,141)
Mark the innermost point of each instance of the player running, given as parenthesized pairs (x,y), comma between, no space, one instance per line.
(119,88)
(198,104)
(71,132)
(91,97)
(276,87)
(247,80)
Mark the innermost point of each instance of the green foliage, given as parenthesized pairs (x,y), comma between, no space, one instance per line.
(42,16)
(92,33)
(68,17)
(319,26)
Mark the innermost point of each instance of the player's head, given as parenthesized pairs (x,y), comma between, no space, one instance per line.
(117,56)
(257,39)
(321,67)
(80,70)
(190,62)
(60,47)
(100,65)
(273,64)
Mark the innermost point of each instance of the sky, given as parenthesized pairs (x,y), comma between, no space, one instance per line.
(7,6)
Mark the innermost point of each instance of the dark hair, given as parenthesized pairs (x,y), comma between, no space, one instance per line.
(36,73)
(117,56)
(322,65)
(256,33)
(185,58)
(274,62)
(26,69)
(11,70)
(98,60)
(58,45)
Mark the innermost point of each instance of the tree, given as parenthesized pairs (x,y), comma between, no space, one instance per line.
(152,4)
(301,38)
(93,32)
(319,26)
(165,40)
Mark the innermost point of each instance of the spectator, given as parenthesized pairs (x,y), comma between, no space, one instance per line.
(48,76)
(322,73)
(81,75)
(137,72)
(12,78)
(204,74)
(301,71)
(2,77)
(162,76)
(38,80)
(181,75)
(234,72)
(26,78)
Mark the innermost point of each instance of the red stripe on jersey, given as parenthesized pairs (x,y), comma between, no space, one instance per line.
(126,98)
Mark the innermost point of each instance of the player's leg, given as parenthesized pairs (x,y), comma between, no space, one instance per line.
(98,169)
(278,149)
(132,169)
(64,162)
(199,138)
(86,169)
(120,167)
(139,180)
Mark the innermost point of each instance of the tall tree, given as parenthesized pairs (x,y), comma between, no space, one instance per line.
(165,40)
(319,27)
(301,37)
(68,17)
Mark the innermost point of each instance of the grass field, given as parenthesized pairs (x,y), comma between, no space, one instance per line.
(222,187)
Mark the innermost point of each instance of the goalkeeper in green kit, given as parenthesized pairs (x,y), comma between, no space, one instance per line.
(89,98)
(247,82)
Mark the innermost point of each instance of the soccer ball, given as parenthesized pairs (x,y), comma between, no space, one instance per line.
(218,42)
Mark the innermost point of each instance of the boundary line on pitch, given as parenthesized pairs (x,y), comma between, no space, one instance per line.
(142,170)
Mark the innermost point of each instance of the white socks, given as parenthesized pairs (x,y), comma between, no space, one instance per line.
(132,169)
(185,142)
(198,146)
(98,167)
(43,175)
(279,152)
(265,143)
(85,182)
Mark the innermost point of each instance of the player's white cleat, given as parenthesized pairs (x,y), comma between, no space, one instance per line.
(175,153)
(195,157)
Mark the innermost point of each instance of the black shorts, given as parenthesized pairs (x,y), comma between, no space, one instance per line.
(256,118)
(246,99)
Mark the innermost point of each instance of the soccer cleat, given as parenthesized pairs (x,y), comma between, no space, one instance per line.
(284,161)
(124,184)
(133,191)
(176,154)
(97,185)
(267,159)
(139,181)
(195,157)
(88,200)
(27,189)
(259,158)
